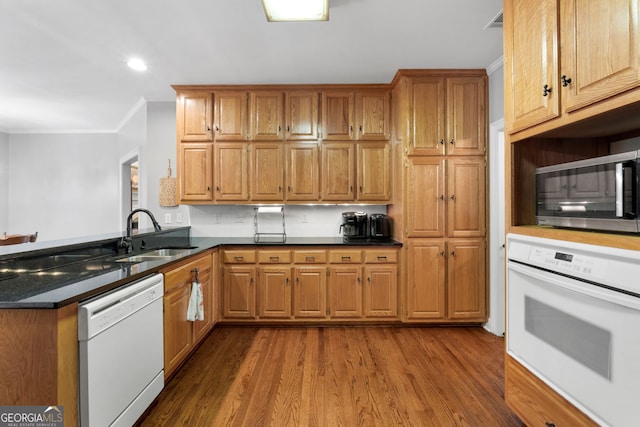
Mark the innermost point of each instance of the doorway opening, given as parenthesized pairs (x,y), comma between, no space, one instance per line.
(129,179)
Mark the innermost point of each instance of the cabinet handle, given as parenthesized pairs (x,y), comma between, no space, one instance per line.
(310,258)
(217,128)
(286,281)
(369,279)
(546,90)
(346,258)
(442,253)
(361,188)
(251,281)
(382,258)
(442,142)
(279,128)
(208,128)
(442,197)
(208,189)
(548,424)
(350,128)
(565,80)
(453,197)
(218,188)
(452,142)
(238,258)
(351,188)
(453,253)
(289,188)
(274,258)
(361,128)
(279,189)
(358,280)
(288,128)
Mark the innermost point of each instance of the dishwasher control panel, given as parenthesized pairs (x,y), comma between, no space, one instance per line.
(106,310)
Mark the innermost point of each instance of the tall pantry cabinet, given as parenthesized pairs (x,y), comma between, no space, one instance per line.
(439,198)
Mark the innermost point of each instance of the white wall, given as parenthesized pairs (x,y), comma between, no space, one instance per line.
(4,183)
(63,185)
(496,90)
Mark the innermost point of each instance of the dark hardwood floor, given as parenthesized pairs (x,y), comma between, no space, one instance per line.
(339,376)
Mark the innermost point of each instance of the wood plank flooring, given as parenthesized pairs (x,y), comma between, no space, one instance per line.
(339,376)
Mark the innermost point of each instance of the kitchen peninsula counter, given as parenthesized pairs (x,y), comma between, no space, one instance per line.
(51,278)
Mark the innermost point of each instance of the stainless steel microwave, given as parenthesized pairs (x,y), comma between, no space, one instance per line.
(598,194)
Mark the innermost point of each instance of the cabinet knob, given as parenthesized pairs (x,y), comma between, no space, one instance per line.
(452,142)
(288,128)
(361,128)
(442,142)
(442,197)
(442,253)
(350,128)
(565,80)
(546,90)
(453,197)
(217,128)
(453,253)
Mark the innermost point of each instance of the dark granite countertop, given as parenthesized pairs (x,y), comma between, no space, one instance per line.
(57,276)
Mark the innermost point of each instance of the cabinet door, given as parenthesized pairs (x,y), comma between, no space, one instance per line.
(425,197)
(338,115)
(600,50)
(194,116)
(338,171)
(303,180)
(196,172)
(239,294)
(267,171)
(381,291)
(231,171)
(301,116)
(427,119)
(372,115)
(345,292)
(466,280)
(202,327)
(425,280)
(310,293)
(466,202)
(267,109)
(466,116)
(230,123)
(374,171)
(531,53)
(177,329)
(274,292)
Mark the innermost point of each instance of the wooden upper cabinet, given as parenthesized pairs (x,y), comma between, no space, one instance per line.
(338,115)
(231,171)
(374,171)
(466,116)
(373,115)
(194,116)
(301,115)
(196,173)
(428,116)
(600,50)
(266,115)
(448,117)
(303,178)
(561,56)
(531,62)
(267,171)
(230,116)
(338,171)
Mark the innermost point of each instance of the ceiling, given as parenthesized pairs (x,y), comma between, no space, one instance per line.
(62,63)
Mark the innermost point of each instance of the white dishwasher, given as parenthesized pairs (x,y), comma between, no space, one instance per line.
(121,362)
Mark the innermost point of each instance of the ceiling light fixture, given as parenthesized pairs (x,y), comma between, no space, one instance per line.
(137,64)
(296,10)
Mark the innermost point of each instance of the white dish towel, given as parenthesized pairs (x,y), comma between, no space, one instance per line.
(195,310)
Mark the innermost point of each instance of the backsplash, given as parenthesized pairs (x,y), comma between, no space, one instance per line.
(300,220)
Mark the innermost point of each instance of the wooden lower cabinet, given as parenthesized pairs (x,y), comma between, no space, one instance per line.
(181,336)
(310,292)
(310,284)
(536,403)
(446,280)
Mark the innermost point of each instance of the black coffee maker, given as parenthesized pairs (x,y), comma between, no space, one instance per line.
(354,226)
(379,227)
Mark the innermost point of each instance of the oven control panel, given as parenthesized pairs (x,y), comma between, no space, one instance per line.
(568,262)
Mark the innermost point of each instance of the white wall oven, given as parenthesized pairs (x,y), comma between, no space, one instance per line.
(599,193)
(573,319)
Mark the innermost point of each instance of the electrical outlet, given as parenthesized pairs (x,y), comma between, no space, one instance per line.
(167,218)
(179,217)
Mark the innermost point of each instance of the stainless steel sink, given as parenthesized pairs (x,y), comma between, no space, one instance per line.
(155,255)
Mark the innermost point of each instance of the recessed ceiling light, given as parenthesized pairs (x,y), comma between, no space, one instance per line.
(296,10)
(137,64)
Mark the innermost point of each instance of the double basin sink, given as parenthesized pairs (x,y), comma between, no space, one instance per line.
(156,255)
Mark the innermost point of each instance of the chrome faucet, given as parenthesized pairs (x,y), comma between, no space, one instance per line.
(126,242)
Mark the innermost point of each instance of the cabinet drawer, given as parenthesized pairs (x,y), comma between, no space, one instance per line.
(375,256)
(310,257)
(179,276)
(274,257)
(239,256)
(349,256)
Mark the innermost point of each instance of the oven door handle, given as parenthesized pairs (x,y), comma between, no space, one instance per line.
(551,280)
